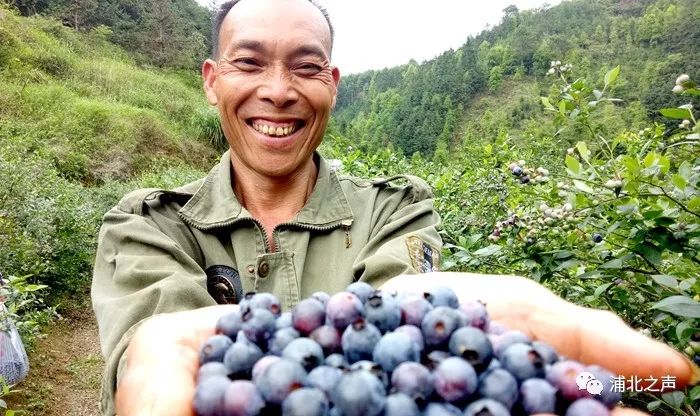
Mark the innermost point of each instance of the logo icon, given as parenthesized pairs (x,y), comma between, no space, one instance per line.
(587,381)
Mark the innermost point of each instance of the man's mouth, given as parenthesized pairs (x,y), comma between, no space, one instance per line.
(275,129)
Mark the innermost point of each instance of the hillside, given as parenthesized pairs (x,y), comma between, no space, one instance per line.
(421,106)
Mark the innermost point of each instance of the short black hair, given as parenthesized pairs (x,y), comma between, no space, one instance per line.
(226,7)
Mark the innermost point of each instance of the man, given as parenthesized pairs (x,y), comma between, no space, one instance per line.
(272,217)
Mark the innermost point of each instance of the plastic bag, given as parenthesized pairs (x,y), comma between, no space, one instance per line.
(14,363)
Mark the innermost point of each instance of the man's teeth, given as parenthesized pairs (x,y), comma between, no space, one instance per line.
(274,131)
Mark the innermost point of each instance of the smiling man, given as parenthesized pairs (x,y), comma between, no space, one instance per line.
(273,217)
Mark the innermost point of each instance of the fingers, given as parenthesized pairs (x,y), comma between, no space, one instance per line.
(618,411)
(162,362)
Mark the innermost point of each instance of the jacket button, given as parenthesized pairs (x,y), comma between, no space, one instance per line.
(263,269)
(251,269)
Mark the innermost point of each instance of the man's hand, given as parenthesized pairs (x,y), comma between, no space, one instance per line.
(586,335)
(162,362)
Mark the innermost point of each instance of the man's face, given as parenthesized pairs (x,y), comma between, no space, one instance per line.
(273,84)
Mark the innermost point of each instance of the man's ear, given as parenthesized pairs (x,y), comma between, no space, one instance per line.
(209,76)
(336,82)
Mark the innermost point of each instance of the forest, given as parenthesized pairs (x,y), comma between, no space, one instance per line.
(561,144)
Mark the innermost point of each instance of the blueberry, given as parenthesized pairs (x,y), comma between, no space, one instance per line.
(214,348)
(209,396)
(258,326)
(597,238)
(337,360)
(343,309)
(266,301)
(455,379)
(279,379)
(537,396)
(472,345)
(501,342)
(476,314)
(546,351)
(240,358)
(328,337)
(486,407)
(442,296)
(413,309)
(525,179)
(308,315)
(587,407)
(358,341)
(414,333)
(562,375)
(435,357)
(517,170)
(398,404)
(413,379)
(280,339)
(382,310)
(284,320)
(441,409)
(210,369)
(362,290)
(438,325)
(498,384)
(321,297)
(229,324)
(324,378)
(523,362)
(305,351)
(242,398)
(359,393)
(609,396)
(372,368)
(393,349)
(306,401)
(261,365)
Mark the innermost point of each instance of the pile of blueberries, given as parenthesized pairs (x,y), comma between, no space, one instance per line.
(368,352)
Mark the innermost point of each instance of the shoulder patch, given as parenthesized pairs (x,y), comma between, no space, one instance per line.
(424,257)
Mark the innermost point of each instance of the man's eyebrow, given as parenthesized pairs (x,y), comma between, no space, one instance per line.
(305,50)
(253,45)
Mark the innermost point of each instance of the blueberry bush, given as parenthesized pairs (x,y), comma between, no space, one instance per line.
(609,220)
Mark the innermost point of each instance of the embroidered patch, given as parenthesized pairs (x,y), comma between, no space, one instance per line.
(224,284)
(425,258)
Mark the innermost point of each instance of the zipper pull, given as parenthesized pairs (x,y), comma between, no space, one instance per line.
(348,238)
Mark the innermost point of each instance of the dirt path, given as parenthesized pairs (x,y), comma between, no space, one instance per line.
(65,371)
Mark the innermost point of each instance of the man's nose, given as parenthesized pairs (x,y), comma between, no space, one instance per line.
(278,88)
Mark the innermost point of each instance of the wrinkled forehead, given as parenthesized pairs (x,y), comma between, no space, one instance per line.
(268,21)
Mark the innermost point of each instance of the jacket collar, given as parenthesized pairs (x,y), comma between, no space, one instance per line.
(215,204)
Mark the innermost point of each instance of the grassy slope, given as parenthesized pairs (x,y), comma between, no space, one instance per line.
(82,103)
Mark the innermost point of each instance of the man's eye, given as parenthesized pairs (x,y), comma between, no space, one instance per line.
(246,64)
(308,69)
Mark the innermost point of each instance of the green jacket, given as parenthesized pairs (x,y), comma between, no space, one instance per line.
(165,251)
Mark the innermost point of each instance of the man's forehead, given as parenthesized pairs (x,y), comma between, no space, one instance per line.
(255,18)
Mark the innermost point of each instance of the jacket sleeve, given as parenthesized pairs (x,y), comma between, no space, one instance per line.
(139,271)
(404,238)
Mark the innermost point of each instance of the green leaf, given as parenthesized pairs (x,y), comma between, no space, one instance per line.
(487,251)
(694,203)
(547,104)
(650,252)
(583,187)
(676,113)
(686,284)
(674,398)
(665,280)
(562,108)
(597,94)
(611,75)
(694,393)
(573,165)
(651,406)
(600,289)
(612,264)
(679,305)
(679,182)
(583,150)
